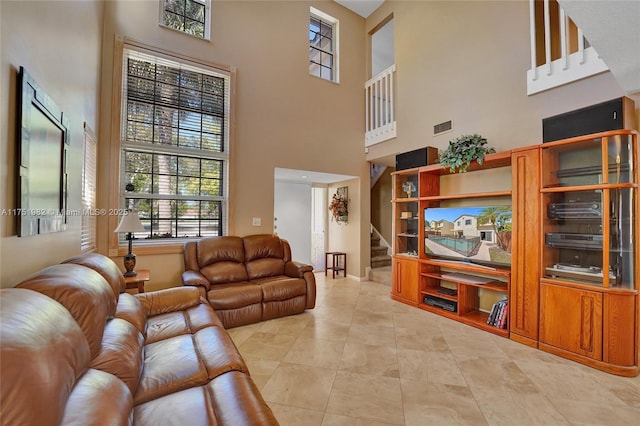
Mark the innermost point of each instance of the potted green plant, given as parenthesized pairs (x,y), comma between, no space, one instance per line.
(462,151)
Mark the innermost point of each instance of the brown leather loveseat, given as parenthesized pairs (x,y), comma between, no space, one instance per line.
(77,350)
(249,279)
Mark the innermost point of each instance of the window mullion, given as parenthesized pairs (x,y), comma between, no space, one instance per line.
(174,213)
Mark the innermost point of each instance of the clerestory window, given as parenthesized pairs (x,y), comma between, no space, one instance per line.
(189,16)
(323,45)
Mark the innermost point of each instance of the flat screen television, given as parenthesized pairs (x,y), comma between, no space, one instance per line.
(479,235)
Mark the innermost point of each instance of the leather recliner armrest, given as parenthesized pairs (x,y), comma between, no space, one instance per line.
(296,269)
(169,300)
(196,279)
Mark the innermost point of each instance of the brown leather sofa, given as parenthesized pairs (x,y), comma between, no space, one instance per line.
(77,350)
(249,279)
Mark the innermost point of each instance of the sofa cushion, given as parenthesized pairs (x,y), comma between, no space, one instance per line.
(173,324)
(84,293)
(220,249)
(264,256)
(224,272)
(130,309)
(229,399)
(170,365)
(281,288)
(122,352)
(280,308)
(43,353)
(265,267)
(218,352)
(89,406)
(235,400)
(261,246)
(240,316)
(236,295)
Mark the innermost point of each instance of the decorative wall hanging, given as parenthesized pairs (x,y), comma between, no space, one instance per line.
(339,205)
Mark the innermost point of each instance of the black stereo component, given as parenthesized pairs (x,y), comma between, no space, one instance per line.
(575,210)
(447,305)
(569,240)
(610,115)
(417,158)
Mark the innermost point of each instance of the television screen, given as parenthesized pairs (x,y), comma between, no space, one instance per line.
(480,235)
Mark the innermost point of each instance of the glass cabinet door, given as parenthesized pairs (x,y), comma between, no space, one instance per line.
(406,232)
(589,217)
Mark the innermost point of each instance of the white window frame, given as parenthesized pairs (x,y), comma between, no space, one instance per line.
(207,19)
(117,244)
(88,230)
(318,14)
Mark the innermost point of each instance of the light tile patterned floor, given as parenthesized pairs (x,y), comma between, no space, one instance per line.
(360,358)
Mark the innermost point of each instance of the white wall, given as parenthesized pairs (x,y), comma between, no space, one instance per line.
(292,210)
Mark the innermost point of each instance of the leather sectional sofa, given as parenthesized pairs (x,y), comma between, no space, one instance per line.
(77,350)
(249,279)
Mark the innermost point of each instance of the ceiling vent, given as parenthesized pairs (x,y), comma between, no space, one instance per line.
(447,126)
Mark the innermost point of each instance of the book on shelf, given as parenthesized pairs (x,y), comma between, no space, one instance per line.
(498,315)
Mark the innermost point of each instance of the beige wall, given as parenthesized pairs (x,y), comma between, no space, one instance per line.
(347,237)
(464,61)
(456,60)
(284,117)
(58,43)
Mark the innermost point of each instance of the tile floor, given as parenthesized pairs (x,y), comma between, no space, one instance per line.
(360,358)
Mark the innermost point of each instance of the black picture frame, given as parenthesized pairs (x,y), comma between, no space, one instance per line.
(43,142)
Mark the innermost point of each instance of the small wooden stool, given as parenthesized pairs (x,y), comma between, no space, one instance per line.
(335,264)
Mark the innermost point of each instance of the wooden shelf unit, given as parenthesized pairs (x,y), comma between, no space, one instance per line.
(472,301)
(590,316)
(438,275)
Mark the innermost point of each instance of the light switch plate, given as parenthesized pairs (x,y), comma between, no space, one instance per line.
(256,221)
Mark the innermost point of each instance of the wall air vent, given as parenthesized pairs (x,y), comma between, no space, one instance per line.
(447,126)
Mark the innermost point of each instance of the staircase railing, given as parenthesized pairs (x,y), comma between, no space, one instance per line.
(380,119)
(567,54)
(383,242)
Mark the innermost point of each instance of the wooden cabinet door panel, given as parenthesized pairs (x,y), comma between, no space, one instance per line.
(405,279)
(571,319)
(525,248)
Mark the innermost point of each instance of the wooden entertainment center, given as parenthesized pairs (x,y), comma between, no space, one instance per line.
(550,260)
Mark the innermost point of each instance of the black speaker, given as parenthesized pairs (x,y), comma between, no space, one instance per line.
(610,115)
(417,158)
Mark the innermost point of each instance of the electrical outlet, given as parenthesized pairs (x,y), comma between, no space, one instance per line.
(256,221)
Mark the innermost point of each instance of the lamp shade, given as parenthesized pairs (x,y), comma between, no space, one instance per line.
(130,222)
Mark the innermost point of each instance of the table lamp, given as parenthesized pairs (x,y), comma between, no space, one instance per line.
(130,223)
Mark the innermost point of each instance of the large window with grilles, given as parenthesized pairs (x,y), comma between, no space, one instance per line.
(174,146)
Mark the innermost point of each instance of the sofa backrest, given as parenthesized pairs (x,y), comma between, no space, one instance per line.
(85,294)
(105,267)
(219,259)
(264,255)
(45,370)
(229,259)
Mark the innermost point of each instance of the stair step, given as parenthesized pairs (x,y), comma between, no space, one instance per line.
(375,241)
(378,251)
(380,263)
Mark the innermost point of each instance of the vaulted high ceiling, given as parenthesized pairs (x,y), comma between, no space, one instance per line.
(612,27)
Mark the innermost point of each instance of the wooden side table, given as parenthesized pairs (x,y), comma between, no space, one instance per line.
(138,281)
(335,264)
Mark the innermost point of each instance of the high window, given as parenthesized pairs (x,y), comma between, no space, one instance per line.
(174,146)
(88,230)
(323,45)
(189,16)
